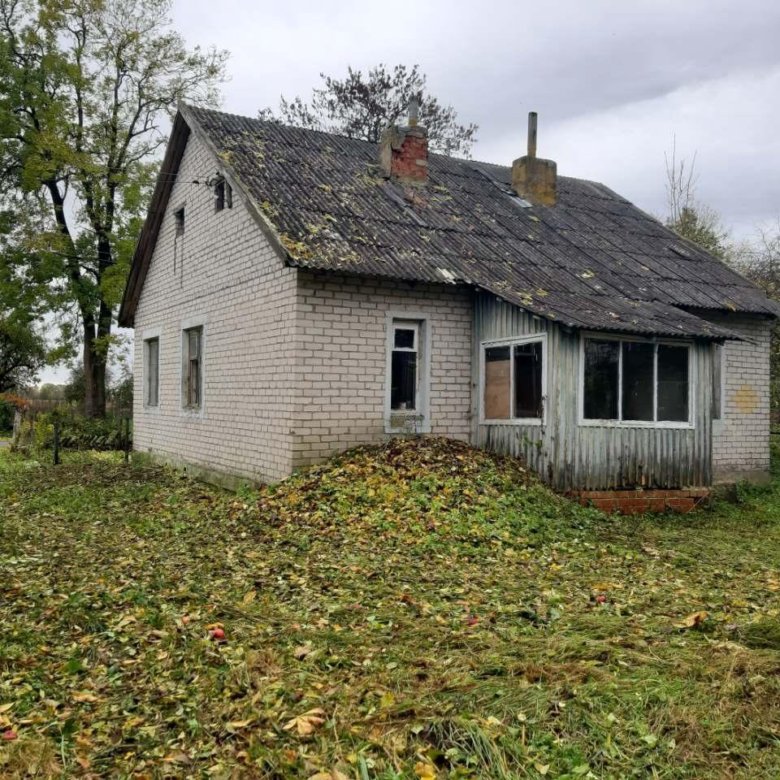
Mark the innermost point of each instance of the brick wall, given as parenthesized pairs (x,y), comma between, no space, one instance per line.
(740,447)
(222,273)
(341,344)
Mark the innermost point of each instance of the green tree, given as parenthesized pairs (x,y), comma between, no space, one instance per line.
(85,89)
(22,345)
(759,261)
(22,350)
(363,105)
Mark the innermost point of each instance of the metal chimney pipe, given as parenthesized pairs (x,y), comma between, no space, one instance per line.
(532,134)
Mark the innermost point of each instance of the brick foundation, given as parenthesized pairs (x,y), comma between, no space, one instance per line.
(634,502)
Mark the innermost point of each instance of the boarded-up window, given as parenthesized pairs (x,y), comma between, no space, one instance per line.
(192,368)
(513,381)
(636,381)
(152,365)
(497,383)
(404,366)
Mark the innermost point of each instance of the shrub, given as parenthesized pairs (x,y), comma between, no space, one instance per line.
(78,432)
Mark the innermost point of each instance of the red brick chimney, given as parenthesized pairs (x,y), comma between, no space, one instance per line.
(403,151)
(535,179)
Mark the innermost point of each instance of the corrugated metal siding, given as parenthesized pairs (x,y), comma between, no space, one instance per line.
(570,456)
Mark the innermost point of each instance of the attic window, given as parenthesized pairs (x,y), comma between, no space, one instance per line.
(223,196)
(178,217)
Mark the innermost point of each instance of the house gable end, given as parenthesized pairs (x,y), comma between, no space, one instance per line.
(184,128)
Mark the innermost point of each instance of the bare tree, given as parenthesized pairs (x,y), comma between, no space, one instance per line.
(685,214)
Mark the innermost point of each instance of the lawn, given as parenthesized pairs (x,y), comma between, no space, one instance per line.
(423,610)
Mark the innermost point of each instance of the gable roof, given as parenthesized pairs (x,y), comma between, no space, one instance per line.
(592,261)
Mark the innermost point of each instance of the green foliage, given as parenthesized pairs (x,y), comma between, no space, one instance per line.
(76,432)
(84,88)
(363,105)
(7,412)
(418,610)
(702,227)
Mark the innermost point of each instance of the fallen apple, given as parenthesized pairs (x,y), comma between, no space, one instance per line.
(218,633)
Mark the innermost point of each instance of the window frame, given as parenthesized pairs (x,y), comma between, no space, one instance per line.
(179,220)
(512,343)
(420,322)
(186,326)
(654,423)
(147,341)
(223,195)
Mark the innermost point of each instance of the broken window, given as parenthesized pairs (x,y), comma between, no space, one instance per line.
(192,369)
(223,196)
(152,364)
(513,381)
(635,381)
(404,377)
(178,217)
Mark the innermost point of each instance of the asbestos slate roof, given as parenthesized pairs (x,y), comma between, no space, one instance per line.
(591,261)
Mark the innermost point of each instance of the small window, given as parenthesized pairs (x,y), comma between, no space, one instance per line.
(178,216)
(404,375)
(633,381)
(223,195)
(513,381)
(152,365)
(192,368)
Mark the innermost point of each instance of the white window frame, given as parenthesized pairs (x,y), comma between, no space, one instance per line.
(186,325)
(416,420)
(691,422)
(511,343)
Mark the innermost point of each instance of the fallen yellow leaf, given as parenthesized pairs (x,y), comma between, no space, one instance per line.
(424,771)
(306,724)
(693,620)
(84,696)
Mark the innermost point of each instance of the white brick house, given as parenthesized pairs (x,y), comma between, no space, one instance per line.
(295,294)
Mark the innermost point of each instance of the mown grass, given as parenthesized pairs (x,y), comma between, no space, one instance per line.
(423,610)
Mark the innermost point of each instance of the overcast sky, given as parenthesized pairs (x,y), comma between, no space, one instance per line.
(614,81)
